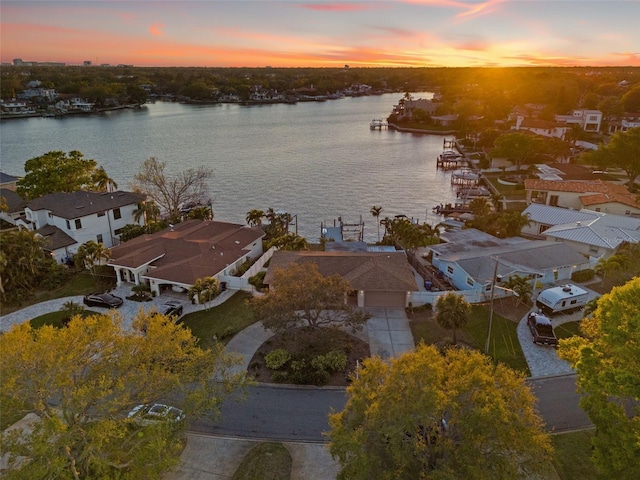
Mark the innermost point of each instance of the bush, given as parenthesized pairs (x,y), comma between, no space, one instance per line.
(333,361)
(276,359)
(257,279)
(304,373)
(583,275)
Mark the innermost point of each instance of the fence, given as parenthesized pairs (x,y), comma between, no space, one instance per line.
(242,283)
(471,296)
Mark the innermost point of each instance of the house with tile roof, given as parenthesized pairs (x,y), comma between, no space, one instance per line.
(179,255)
(378,279)
(542,127)
(578,194)
(66,220)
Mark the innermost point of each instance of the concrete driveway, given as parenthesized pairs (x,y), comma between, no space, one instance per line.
(389,332)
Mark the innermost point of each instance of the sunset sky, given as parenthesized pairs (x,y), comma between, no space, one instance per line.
(296,33)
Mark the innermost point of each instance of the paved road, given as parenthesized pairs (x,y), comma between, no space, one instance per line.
(287,413)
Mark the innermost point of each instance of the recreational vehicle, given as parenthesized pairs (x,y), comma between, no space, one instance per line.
(562,299)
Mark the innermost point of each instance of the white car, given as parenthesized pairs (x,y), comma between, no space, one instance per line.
(149,414)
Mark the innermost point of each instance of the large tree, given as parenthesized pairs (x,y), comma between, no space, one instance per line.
(444,416)
(80,381)
(607,359)
(90,254)
(24,265)
(171,192)
(622,151)
(518,147)
(300,294)
(452,312)
(57,171)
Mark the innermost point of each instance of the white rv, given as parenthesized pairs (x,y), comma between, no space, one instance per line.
(562,299)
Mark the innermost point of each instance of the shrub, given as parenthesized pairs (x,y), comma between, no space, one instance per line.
(280,376)
(333,361)
(304,373)
(276,359)
(257,279)
(583,275)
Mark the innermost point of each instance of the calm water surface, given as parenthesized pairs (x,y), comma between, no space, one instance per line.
(316,160)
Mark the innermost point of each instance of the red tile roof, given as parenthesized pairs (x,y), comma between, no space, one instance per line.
(188,250)
(592,186)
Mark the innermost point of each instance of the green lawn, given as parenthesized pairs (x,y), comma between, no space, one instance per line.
(503,346)
(572,456)
(55,318)
(221,322)
(567,330)
(79,283)
(266,461)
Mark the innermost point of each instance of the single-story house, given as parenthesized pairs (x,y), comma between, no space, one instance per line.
(542,217)
(473,268)
(179,255)
(380,279)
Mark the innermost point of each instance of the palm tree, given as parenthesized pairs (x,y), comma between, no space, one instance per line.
(254,217)
(376,211)
(102,181)
(617,263)
(147,210)
(91,254)
(204,290)
(452,312)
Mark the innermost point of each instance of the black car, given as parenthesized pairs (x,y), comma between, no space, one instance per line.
(105,300)
(171,308)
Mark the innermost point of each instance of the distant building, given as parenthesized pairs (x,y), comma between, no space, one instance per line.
(589,120)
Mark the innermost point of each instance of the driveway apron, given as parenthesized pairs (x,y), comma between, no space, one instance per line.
(389,332)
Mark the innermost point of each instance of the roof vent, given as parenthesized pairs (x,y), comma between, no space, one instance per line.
(578,223)
(566,288)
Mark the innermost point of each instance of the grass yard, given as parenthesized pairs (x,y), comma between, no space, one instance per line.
(572,456)
(567,330)
(55,318)
(266,461)
(221,322)
(503,346)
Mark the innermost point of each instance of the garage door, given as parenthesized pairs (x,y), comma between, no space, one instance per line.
(385,299)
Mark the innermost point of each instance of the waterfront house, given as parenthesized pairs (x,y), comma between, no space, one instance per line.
(179,255)
(378,279)
(472,269)
(541,127)
(595,195)
(67,220)
(15,206)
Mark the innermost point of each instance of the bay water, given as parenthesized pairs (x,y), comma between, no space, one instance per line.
(316,160)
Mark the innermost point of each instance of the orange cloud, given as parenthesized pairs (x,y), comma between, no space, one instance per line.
(156,29)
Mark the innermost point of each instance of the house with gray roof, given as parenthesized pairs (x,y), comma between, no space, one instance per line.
(378,279)
(15,206)
(593,234)
(473,268)
(179,255)
(66,220)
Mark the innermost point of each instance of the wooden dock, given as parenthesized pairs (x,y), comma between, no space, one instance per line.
(377,124)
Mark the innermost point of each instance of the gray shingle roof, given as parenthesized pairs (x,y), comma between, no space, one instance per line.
(80,204)
(55,238)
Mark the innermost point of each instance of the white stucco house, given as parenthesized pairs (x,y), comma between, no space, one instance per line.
(588,120)
(578,194)
(67,220)
(179,255)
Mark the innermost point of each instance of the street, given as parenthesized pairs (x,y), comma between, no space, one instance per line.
(289,413)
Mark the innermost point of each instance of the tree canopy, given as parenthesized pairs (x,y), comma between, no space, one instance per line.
(518,147)
(445,416)
(607,359)
(300,294)
(58,171)
(81,381)
(622,151)
(172,192)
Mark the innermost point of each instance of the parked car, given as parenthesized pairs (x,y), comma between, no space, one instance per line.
(171,308)
(105,300)
(147,414)
(541,329)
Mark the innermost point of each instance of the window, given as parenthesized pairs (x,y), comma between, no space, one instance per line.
(597,209)
(487,288)
(543,228)
(99,239)
(117,231)
(553,200)
(573,302)
(116,213)
(450,270)
(593,249)
(50,215)
(101,214)
(68,225)
(470,281)
(78,224)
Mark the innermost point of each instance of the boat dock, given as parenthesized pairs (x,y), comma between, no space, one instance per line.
(343,231)
(378,124)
